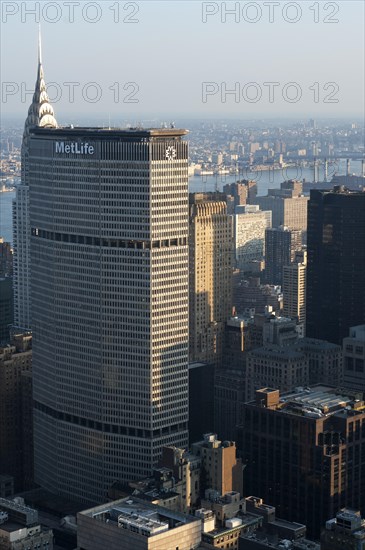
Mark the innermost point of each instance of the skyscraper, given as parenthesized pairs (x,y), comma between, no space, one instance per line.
(336,263)
(294,287)
(210,249)
(41,114)
(287,204)
(109,250)
(281,244)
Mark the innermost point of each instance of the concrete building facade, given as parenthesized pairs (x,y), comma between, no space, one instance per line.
(223,469)
(277,367)
(294,289)
(249,236)
(281,245)
(109,249)
(210,265)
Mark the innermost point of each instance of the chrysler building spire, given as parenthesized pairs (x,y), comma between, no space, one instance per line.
(40,112)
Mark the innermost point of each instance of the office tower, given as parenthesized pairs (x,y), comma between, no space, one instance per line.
(249,236)
(278,367)
(294,288)
(287,205)
(223,469)
(41,114)
(300,449)
(201,399)
(109,298)
(336,263)
(354,359)
(15,359)
(230,380)
(210,255)
(243,191)
(281,244)
(6,259)
(6,308)
(346,530)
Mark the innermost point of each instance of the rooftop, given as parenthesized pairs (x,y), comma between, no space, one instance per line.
(139,515)
(316,402)
(80,131)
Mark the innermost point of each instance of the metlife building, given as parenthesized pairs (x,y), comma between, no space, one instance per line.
(109,287)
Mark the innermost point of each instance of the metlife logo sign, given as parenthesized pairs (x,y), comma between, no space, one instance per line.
(74,148)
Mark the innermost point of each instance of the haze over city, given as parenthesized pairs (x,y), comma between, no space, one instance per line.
(153,58)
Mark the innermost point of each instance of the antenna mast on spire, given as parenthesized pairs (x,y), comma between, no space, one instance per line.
(39,45)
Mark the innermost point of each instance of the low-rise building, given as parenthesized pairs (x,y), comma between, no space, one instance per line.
(223,470)
(20,528)
(346,530)
(134,524)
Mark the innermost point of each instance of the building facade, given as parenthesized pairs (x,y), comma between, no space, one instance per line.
(249,236)
(302,452)
(281,245)
(15,415)
(109,249)
(277,367)
(354,359)
(294,288)
(287,204)
(336,257)
(210,265)
(223,470)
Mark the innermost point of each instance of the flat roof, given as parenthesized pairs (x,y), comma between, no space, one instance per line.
(140,508)
(80,131)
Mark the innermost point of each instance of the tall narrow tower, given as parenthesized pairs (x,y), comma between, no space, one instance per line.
(336,263)
(211,251)
(109,251)
(40,113)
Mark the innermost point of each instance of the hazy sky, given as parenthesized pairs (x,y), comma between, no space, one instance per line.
(171,57)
